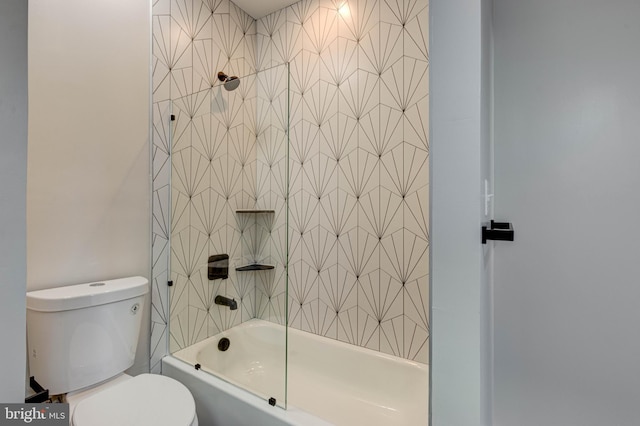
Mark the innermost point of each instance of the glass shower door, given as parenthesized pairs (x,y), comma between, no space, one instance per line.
(229,192)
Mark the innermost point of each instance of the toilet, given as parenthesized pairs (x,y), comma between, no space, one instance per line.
(81,339)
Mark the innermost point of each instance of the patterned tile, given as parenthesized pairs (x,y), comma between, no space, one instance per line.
(354,190)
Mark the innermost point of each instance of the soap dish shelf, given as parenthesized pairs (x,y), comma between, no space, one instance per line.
(255,211)
(254,267)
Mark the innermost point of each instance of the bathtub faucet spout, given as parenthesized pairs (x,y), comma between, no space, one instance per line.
(225,301)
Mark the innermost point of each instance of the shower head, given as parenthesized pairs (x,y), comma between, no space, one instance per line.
(230,82)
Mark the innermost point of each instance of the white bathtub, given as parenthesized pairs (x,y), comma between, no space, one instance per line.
(328,381)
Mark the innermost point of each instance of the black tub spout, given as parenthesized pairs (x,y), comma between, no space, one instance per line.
(225,301)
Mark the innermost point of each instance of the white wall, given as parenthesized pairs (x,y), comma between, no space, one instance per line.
(13,175)
(567,108)
(460,118)
(88,212)
(486,173)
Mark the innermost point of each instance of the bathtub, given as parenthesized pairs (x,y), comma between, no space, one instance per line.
(329,382)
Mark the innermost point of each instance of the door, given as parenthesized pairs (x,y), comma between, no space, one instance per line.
(567,175)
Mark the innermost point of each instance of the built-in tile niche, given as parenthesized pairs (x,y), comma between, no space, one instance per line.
(263,260)
(255,227)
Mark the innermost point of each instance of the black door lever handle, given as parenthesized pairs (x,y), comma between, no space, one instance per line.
(498,231)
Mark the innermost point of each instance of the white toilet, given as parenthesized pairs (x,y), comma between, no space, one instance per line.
(81,339)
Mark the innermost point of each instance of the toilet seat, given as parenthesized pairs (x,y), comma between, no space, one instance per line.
(144,400)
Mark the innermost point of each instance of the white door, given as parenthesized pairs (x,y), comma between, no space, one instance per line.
(567,175)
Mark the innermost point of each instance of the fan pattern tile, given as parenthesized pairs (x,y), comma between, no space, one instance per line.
(359,149)
(204,167)
(358,170)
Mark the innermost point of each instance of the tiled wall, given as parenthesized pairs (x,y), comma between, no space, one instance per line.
(359,151)
(211,174)
(228,153)
(358,169)
(270,235)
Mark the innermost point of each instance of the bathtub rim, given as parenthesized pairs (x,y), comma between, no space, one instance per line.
(290,416)
(189,357)
(193,350)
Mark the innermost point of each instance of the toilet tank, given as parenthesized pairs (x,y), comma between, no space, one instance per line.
(83,334)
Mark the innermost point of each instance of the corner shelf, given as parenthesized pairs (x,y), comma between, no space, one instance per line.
(254,267)
(254,211)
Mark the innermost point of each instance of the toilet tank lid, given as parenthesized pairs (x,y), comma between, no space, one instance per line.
(85,295)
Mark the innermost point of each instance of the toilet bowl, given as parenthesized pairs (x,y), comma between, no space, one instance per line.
(82,338)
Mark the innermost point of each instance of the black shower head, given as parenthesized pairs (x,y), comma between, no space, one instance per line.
(230,82)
